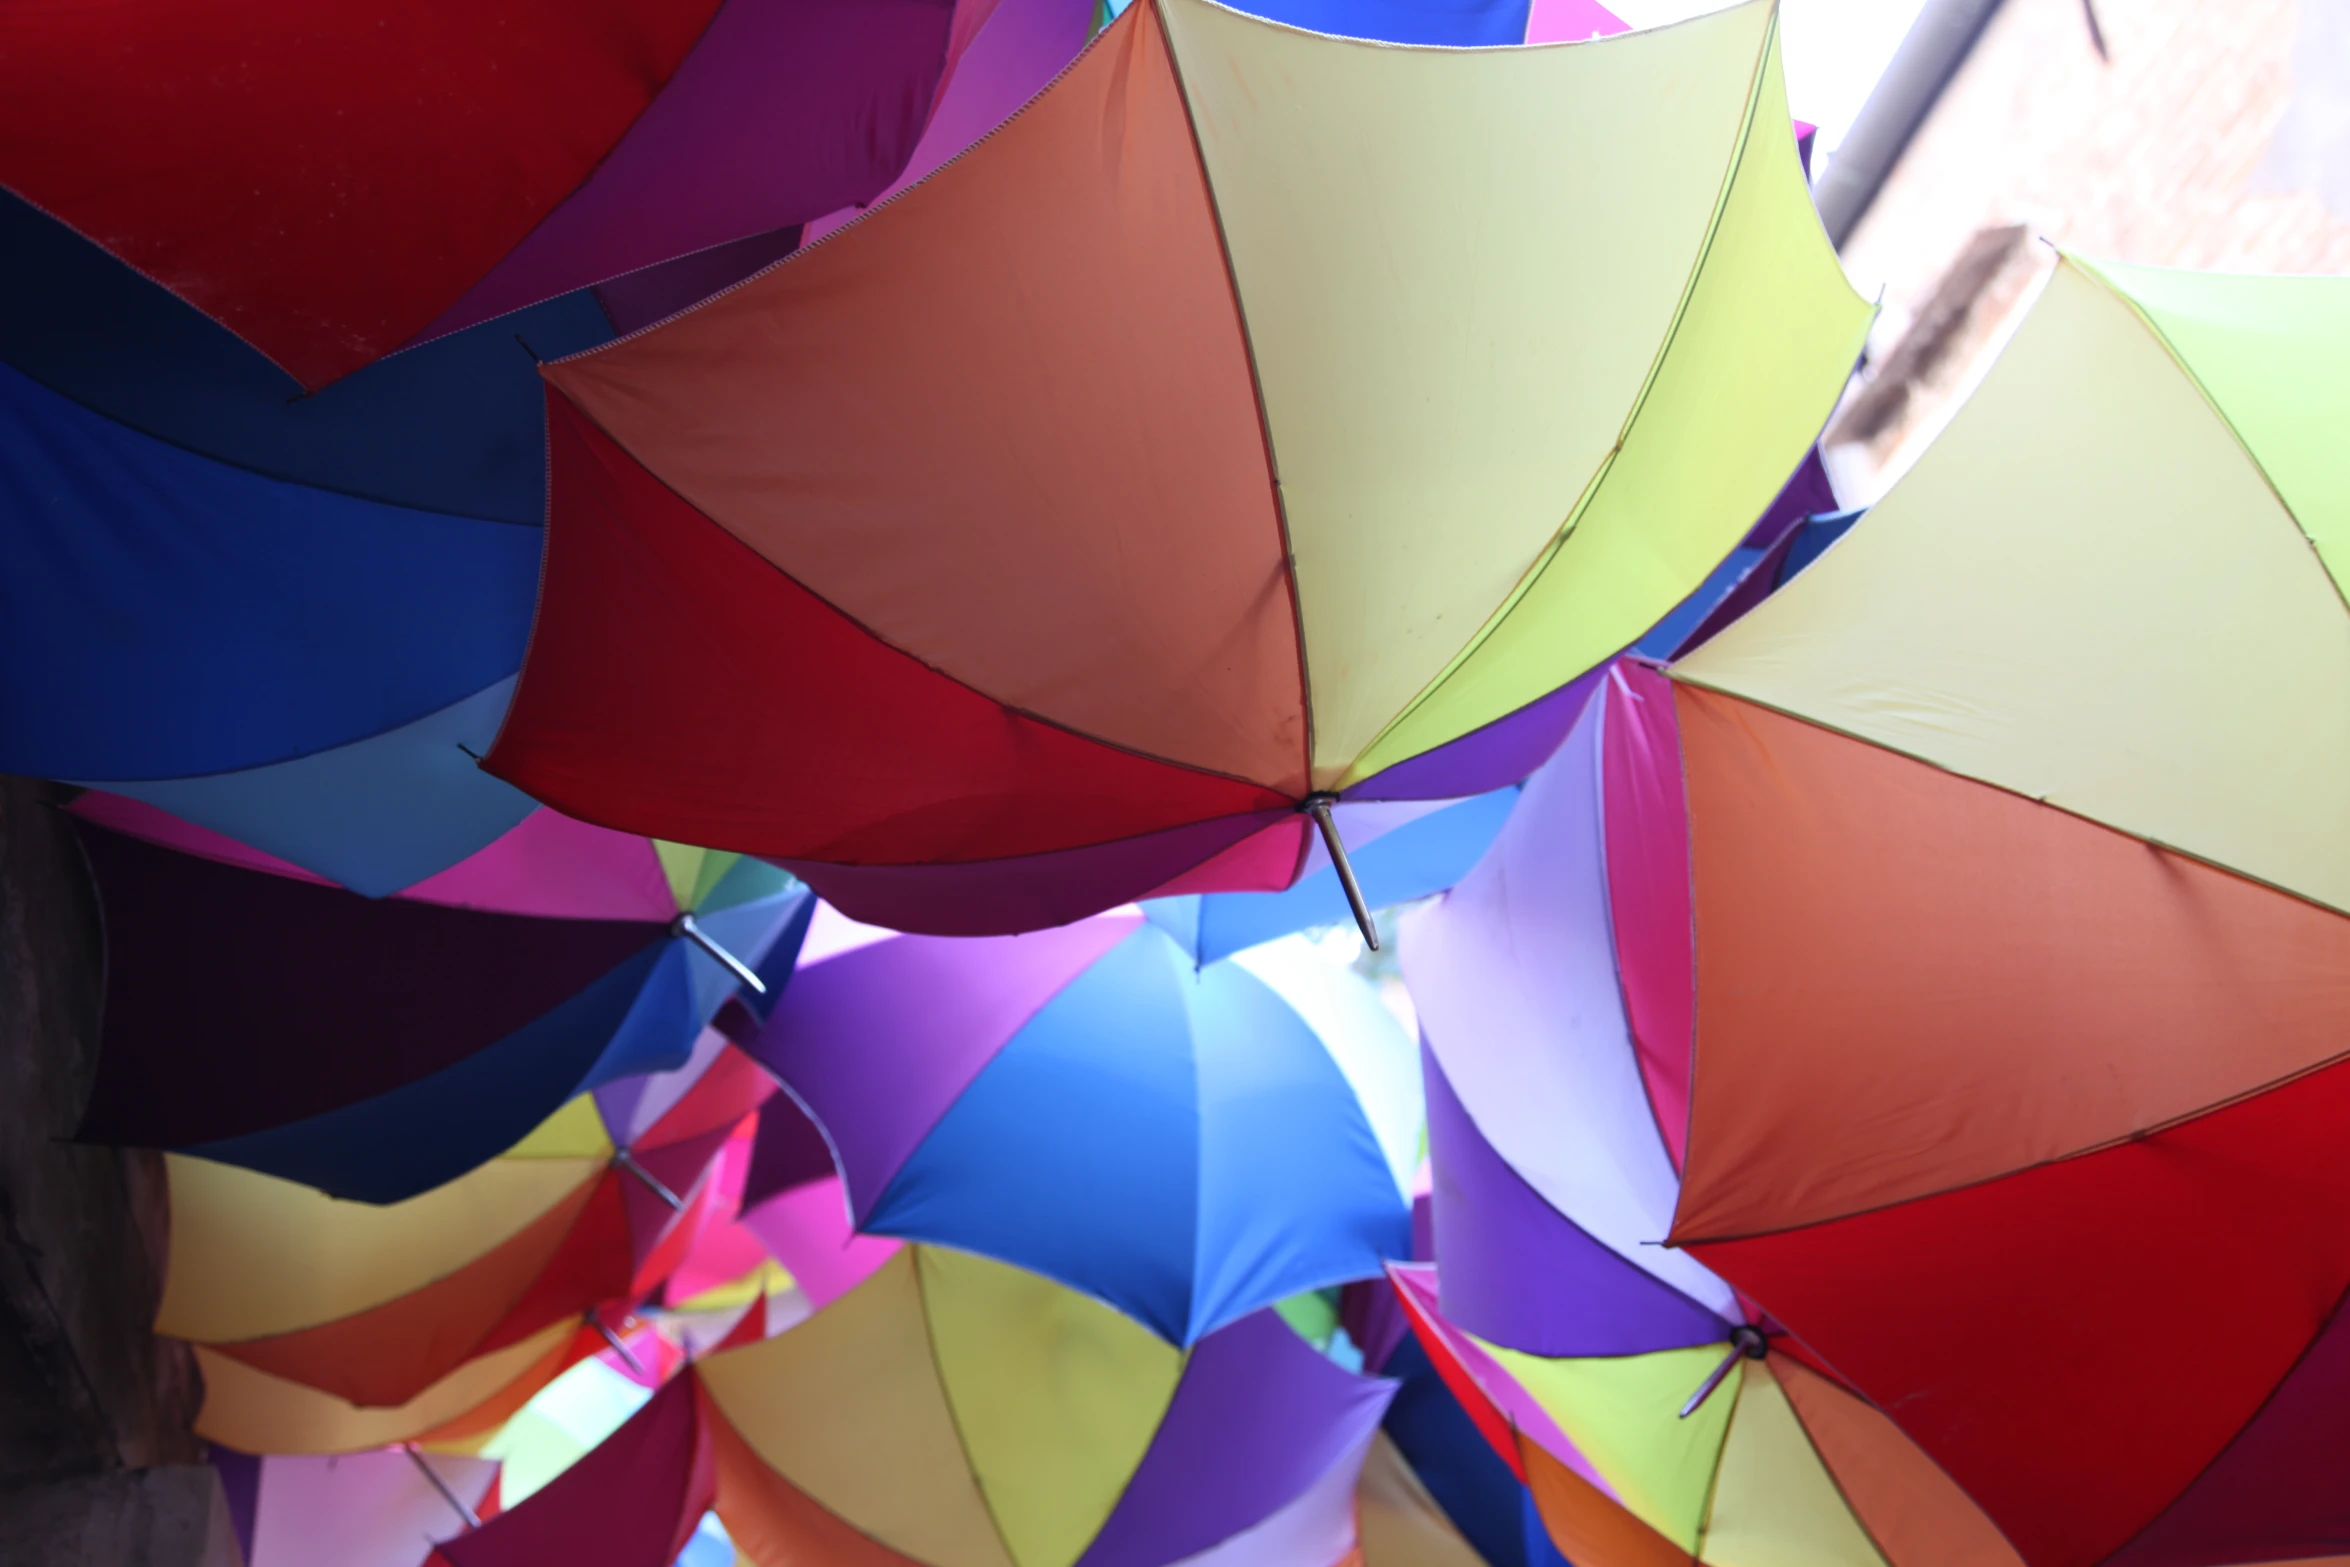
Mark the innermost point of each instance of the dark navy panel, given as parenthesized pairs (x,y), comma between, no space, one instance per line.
(456,425)
(162,614)
(635,1019)
(1463,1474)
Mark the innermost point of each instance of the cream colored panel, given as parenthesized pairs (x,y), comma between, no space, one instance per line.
(1057,1397)
(1773,1503)
(252,1255)
(2085,592)
(1457,268)
(848,1407)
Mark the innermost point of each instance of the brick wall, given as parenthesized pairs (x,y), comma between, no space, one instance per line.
(2148,156)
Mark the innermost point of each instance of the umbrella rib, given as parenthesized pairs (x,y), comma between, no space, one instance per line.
(685,925)
(456,1502)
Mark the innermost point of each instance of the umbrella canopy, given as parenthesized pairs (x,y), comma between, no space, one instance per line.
(455,1029)
(1777,1463)
(374,1306)
(951,1411)
(1077,639)
(372,1509)
(2017,883)
(975,1414)
(241,158)
(1186,1144)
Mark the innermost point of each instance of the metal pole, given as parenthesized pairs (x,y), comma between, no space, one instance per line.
(627,1161)
(684,926)
(1746,1343)
(472,1518)
(619,1347)
(1318,807)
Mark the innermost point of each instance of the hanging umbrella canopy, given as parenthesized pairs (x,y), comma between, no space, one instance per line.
(959,1412)
(382,1508)
(1186,1144)
(372,1308)
(2018,885)
(1077,639)
(455,1029)
(955,1412)
(240,157)
(1777,1463)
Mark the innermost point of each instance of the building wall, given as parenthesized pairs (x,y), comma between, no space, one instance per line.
(2152,155)
(98,1459)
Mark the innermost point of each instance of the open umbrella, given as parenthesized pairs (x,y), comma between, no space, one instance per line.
(242,157)
(955,1412)
(2017,862)
(1673,1456)
(372,1307)
(1187,1144)
(453,1029)
(1001,458)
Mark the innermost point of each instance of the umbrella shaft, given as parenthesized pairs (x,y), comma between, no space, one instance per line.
(653,1183)
(619,1348)
(1705,1389)
(1318,807)
(472,1518)
(733,965)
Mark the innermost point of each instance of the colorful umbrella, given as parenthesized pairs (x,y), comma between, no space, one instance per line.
(242,159)
(374,1509)
(369,1309)
(1187,1144)
(455,1029)
(1076,639)
(1773,1463)
(2015,754)
(955,1412)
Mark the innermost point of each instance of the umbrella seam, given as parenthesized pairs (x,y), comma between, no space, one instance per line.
(2109,1145)
(1550,550)
(862,213)
(1010,707)
(2340,1302)
(946,1396)
(2178,359)
(1256,382)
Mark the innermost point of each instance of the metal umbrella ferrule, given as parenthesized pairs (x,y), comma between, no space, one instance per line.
(1318,807)
(456,1502)
(653,1183)
(1746,1343)
(684,925)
